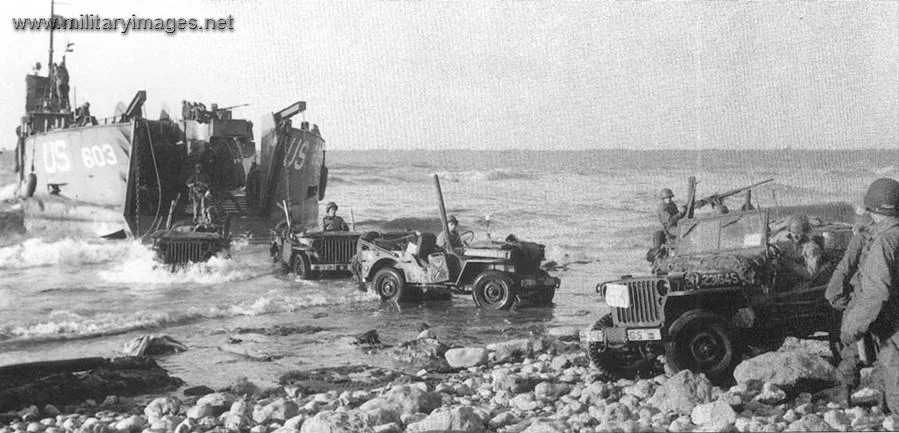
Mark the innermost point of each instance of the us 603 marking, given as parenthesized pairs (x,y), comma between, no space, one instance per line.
(98,156)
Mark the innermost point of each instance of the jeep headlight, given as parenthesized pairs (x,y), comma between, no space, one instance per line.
(662,287)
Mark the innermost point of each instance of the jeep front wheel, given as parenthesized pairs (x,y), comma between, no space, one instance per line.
(301,266)
(703,345)
(627,362)
(493,289)
(390,285)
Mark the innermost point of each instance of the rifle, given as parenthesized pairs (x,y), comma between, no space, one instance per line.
(231,107)
(717,198)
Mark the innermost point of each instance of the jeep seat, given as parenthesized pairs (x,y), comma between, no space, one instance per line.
(427,245)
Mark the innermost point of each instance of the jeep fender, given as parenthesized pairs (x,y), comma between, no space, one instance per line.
(689,316)
(377,267)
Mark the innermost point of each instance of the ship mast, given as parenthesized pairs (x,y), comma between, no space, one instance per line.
(52,26)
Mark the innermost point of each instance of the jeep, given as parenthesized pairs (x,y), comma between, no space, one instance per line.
(310,254)
(723,289)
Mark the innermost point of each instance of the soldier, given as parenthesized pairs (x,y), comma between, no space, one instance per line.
(875,304)
(455,241)
(802,252)
(332,222)
(198,184)
(843,283)
(669,215)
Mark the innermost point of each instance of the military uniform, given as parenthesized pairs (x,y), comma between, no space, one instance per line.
(669,216)
(843,283)
(875,306)
(455,241)
(334,224)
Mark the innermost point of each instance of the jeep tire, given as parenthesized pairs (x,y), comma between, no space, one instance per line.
(390,285)
(493,289)
(703,344)
(300,266)
(617,363)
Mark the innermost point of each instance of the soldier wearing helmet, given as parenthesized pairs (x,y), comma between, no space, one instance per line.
(331,222)
(874,307)
(802,252)
(668,212)
(452,240)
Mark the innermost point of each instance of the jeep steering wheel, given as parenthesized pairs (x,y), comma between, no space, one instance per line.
(466,237)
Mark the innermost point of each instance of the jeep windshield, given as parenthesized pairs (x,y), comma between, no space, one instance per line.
(745,231)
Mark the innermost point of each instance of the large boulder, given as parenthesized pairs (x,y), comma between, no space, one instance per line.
(280,410)
(465,357)
(405,400)
(681,393)
(331,422)
(794,371)
(161,407)
(457,419)
(809,423)
(428,352)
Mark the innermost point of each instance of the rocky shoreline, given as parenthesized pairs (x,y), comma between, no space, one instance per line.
(534,385)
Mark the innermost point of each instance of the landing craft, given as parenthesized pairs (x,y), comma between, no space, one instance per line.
(125,176)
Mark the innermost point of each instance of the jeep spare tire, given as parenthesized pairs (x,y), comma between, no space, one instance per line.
(390,285)
(702,344)
(493,289)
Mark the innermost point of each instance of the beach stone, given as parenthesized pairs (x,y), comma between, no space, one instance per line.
(837,420)
(615,413)
(510,350)
(681,393)
(242,386)
(233,421)
(549,390)
(502,419)
(642,389)
(681,425)
(241,407)
(378,416)
(166,423)
(564,333)
(795,370)
(389,428)
(456,419)
(560,363)
(278,410)
(259,429)
(51,410)
(466,357)
(717,412)
(186,426)
(405,399)
(213,404)
(162,406)
(34,427)
(771,394)
(891,423)
(524,402)
(199,390)
(866,397)
(545,426)
(331,422)
(30,413)
(427,333)
(809,423)
(131,424)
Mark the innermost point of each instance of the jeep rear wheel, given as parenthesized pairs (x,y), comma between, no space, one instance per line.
(390,285)
(493,289)
(704,345)
(627,362)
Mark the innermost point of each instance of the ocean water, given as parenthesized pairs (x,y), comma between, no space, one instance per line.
(64,297)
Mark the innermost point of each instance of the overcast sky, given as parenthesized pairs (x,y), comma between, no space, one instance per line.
(500,75)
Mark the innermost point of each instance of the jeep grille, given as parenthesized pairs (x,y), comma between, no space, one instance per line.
(646,304)
(183,251)
(336,250)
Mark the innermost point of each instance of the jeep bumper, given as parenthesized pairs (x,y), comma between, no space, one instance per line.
(620,335)
(329,267)
(540,283)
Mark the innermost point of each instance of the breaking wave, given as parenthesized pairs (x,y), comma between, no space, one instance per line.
(68,325)
(497,174)
(37,252)
(140,267)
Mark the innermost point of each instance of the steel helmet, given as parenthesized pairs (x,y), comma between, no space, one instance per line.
(799,224)
(330,205)
(666,193)
(883,197)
